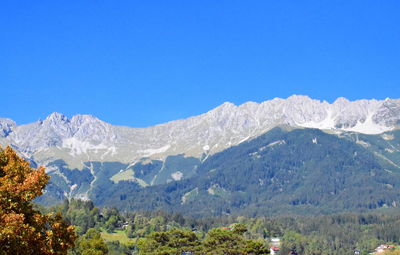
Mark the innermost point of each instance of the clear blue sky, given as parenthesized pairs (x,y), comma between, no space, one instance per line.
(139,63)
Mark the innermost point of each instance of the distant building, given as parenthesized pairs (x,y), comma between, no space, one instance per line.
(275,244)
(276,240)
(273,250)
(383,248)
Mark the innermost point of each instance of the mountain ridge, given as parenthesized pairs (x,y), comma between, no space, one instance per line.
(297,111)
(177,148)
(211,132)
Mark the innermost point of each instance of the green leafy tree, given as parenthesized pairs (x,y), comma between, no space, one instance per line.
(91,243)
(111,223)
(218,241)
(171,242)
(293,241)
(231,242)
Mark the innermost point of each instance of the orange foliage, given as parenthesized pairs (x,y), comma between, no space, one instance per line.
(24,230)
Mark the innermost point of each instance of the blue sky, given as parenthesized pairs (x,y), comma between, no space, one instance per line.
(140,63)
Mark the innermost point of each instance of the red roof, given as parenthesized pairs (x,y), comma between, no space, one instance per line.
(275,248)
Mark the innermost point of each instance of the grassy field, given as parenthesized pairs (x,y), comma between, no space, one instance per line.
(123,176)
(128,176)
(118,235)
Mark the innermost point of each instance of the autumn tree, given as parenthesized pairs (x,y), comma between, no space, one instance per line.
(23,229)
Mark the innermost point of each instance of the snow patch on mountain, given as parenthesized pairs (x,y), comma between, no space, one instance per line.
(369,127)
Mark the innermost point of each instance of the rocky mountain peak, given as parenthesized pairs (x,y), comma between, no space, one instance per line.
(56,119)
(55,116)
(224,108)
(224,126)
(80,119)
(341,101)
(299,98)
(6,126)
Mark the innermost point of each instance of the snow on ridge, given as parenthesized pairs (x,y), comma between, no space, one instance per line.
(355,116)
(369,127)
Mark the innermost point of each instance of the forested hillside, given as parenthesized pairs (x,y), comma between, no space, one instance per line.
(122,233)
(301,171)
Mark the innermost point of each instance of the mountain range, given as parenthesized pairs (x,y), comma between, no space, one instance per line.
(91,159)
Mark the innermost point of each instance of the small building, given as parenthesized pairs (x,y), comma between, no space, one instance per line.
(383,248)
(125,225)
(273,250)
(275,243)
(275,240)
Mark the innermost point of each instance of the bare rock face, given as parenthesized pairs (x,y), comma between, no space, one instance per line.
(83,139)
(215,130)
(388,113)
(6,126)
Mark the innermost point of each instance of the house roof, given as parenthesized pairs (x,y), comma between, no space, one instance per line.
(274,248)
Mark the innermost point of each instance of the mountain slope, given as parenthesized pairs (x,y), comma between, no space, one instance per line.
(83,152)
(298,171)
